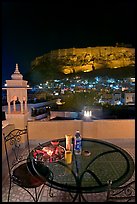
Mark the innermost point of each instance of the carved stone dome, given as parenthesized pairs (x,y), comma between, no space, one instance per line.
(17,75)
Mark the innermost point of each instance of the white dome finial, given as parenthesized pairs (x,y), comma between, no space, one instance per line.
(17,69)
(17,75)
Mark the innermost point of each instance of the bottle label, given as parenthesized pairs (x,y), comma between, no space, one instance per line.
(78,144)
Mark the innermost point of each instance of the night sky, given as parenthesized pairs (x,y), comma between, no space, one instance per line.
(33,29)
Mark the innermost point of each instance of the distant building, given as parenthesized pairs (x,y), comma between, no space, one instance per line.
(105,98)
(129,99)
(124,88)
(132,79)
(116,99)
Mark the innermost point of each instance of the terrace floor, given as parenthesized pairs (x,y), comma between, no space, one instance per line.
(19,195)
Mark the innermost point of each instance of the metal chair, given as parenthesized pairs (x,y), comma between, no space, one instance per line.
(17,149)
(124,193)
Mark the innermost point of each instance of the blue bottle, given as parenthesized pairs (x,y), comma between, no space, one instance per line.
(77,143)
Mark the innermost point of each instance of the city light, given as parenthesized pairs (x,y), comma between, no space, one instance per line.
(87,113)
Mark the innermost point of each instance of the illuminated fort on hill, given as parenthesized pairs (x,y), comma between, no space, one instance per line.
(87,59)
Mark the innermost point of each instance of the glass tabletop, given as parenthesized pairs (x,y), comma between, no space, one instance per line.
(87,172)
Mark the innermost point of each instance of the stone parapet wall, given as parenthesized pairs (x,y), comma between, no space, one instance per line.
(98,129)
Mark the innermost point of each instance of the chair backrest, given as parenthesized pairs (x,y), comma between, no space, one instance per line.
(16,147)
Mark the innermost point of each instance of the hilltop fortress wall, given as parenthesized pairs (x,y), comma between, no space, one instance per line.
(91,50)
(112,57)
(90,58)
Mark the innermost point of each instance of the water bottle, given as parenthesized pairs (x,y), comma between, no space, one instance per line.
(77,143)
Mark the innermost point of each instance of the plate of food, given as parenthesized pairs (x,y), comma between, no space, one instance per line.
(49,153)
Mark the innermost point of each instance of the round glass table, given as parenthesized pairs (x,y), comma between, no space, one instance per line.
(88,173)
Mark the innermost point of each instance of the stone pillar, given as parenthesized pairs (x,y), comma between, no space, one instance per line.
(26,106)
(9,110)
(14,106)
(21,103)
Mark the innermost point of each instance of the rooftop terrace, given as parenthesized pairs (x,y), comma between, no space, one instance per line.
(19,195)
